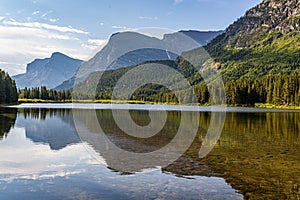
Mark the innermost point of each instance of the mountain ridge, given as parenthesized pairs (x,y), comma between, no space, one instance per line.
(48,72)
(250,30)
(131,43)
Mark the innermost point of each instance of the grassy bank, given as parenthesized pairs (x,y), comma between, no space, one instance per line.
(262,105)
(83,101)
(258,105)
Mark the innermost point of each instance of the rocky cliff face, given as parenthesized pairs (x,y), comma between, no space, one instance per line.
(48,72)
(262,24)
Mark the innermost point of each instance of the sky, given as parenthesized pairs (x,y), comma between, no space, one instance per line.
(31,29)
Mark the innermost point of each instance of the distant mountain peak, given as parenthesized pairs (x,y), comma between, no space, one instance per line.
(192,36)
(58,54)
(48,72)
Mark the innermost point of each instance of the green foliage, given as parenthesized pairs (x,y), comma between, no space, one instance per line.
(8,90)
(42,93)
(275,90)
(246,83)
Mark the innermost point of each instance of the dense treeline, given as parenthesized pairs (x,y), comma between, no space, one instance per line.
(277,90)
(45,94)
(8,90)
(271,89)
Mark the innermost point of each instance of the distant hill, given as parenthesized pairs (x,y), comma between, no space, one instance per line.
(131,48)
(49,72)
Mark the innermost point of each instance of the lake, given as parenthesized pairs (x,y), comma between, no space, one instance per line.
(96,151)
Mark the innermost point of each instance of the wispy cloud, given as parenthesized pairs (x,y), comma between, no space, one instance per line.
(9,63)
(43,16)
(63,29)
(148,18)
(1,18)
(122,27)
(12,67)
(178,1)
(97,42)
(94,44)
(23,42)
(35,12)
(53,20)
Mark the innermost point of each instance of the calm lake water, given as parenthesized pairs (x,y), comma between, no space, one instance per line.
(66,151)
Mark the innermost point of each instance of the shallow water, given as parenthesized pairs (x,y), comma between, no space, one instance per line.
(70,151)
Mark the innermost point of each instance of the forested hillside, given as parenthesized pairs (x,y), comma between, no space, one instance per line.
(258,56)
(266,41)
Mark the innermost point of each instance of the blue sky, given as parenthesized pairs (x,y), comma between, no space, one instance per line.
(36,28)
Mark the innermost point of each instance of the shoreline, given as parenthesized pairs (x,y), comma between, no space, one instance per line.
(257,105)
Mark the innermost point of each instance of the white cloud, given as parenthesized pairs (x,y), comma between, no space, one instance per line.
(43,16)
(46,18)
(36,12)
(94,44)
(53,20)
(63,29)
(1,18)
(6,63)
(101,23)
(122,27)
(21,43)
(12,68)
(7,33)
(97,42)
(178,1)
(148,18)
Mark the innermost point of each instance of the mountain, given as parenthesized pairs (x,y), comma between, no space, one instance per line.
(258,58)
(265,41)
(262,25)
(141,55)
(131,48)
(48,72)
(201,37)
